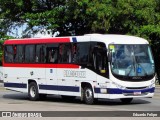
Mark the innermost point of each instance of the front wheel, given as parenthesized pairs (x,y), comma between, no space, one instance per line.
(33,91)
(88,95)
(126,100)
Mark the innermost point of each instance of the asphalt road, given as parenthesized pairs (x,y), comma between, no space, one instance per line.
(15,101)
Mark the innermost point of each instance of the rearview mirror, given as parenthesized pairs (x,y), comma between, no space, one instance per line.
(111,50)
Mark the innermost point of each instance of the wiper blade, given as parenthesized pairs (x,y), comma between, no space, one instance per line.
(132,66)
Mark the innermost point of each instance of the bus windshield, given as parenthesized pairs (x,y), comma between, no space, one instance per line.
(132,60)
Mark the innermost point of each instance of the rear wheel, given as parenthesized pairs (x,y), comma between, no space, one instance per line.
(33,91)
(88,95)
(126,100)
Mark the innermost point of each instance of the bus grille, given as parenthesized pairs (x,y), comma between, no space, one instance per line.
(135,88)
(131,94)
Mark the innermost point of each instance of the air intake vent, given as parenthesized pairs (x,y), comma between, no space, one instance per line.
(134,88)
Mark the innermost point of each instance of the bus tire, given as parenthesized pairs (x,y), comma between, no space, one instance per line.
(33,91)
(126,100)
(88,95)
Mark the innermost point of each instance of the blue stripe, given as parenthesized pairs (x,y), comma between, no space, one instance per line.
(97,90)
(151,90)
(74,39)
(15,85)
(76,89)
(120,91)
(59,88)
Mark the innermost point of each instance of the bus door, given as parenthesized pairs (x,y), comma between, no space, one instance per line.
(100,62)
(51,68)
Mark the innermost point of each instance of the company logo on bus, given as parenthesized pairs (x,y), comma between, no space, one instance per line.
(72,73)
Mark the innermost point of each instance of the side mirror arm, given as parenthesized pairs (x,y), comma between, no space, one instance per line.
(109,57)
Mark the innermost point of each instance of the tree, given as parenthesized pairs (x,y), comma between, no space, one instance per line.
(82,16)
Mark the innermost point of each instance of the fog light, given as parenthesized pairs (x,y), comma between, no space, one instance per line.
(103,91)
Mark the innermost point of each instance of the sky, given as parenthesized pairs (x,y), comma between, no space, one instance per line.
(17,32)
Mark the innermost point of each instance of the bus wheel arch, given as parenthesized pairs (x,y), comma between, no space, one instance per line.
(33,90)
(87,94)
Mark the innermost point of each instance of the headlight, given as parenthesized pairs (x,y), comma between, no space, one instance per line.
(152,84)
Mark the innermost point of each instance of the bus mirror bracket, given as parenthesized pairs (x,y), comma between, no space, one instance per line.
(109,57)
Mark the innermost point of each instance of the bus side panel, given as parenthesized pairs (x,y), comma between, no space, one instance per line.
(51,81)
(68,83)
(15,79)
(70,80)
(39,76)
(101,88)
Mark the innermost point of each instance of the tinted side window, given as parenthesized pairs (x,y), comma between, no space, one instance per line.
(82,52)
(9,53)
(30,53)
(52,53)
(65,53)
(19,53)
(40,53)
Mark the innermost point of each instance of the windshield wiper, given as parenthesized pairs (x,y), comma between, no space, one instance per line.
(133,66)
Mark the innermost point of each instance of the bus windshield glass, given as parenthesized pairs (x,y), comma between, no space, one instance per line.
(131,60)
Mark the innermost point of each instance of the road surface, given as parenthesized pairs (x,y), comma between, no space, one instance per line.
(15,101)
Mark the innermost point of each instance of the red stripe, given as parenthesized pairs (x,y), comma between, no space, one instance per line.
(37,40)
(41,65)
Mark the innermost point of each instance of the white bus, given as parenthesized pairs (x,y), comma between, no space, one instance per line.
(90,67)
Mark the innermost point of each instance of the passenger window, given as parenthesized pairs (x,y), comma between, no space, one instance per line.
(52,53)
(9,53)
(65,53)
(19,53)
(30,53)
(40,54)
(82,53)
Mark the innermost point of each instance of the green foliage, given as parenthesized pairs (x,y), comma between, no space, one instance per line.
(131,15)
(77,17)
(135,17)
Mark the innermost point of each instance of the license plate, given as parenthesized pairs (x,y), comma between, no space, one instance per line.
(137,93)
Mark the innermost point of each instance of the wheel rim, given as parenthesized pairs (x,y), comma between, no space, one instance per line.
(33,91)
(88,94)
